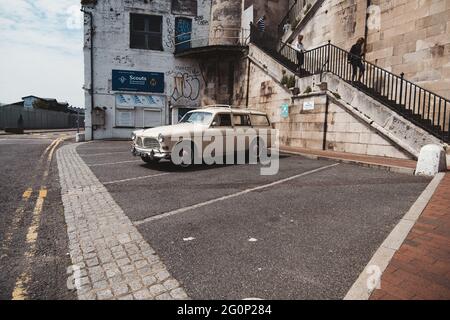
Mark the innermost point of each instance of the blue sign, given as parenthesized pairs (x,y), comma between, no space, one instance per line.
(284,112)
(137,81)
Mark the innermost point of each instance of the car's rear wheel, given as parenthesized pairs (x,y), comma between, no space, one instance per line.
(257,149)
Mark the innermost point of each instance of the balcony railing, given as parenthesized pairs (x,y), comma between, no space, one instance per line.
(218,36)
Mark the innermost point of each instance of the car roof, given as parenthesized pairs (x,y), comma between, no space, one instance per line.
(227,108)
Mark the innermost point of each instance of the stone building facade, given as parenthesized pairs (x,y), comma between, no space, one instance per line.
(406,36)
(134,43)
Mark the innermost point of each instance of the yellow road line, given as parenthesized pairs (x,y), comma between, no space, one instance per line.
(18,216)
(20,211)
(20,291)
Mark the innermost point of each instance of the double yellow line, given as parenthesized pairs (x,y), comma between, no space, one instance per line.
(20,289)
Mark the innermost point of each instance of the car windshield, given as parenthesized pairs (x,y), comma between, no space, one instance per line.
(197,117)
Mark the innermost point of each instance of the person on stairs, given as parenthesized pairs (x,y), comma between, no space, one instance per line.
(354,57)
(300,48)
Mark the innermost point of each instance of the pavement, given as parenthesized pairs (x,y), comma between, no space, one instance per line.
(226,232)
(420,269)
(102,221)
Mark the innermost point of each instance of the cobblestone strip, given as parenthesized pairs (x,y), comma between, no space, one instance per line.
(114,260)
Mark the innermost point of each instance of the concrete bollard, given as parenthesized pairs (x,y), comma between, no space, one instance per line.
(432,160)
(79,137)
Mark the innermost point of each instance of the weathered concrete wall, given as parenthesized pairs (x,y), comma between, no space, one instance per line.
(274,10)
(219,71)
(341,21)
(183,79)
(225,22)
(413,37)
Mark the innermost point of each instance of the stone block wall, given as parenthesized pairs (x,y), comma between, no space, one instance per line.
(410,36)
(345,133)
(414,37)
(305,128)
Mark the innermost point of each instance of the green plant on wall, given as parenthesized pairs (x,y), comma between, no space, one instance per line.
(307,90)
(284,80)
(291,82)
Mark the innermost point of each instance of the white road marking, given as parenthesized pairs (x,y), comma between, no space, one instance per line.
(252,240)
(234,195)
(112,163)
(137,178)
(102,154)
(188,239)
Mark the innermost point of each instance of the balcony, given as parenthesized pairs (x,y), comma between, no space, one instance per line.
(219,40)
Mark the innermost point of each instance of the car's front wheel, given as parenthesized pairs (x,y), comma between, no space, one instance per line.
(150,160)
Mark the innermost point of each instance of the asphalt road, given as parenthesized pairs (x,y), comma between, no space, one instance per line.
(306,236)
(42,262)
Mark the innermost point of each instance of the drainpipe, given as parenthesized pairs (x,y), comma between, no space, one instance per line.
(325,123)
(248,81)
(366,27)
(91,90)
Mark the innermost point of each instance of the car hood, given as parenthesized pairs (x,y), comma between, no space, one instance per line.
(174,129)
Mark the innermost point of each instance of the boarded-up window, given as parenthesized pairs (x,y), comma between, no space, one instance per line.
(187,7)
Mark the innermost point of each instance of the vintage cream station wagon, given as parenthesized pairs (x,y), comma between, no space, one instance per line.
(195,130)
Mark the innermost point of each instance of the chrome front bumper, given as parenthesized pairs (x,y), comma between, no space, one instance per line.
(151,153)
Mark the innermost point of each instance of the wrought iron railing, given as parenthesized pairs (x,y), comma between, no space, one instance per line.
(421,106)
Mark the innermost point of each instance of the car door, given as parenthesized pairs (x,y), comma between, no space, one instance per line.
(220,128)
(241,125)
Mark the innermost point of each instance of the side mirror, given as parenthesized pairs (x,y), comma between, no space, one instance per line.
(213,124)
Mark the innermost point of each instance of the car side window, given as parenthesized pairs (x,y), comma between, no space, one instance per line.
(223,120)
(259,120)
(241,120)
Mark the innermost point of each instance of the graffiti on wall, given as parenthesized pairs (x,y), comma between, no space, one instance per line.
(185,86)
(169,41)
(201,20)
(123,60)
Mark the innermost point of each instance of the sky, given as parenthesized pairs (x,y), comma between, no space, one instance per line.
(41,42)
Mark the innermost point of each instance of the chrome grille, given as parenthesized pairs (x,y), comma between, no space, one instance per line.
(151,143)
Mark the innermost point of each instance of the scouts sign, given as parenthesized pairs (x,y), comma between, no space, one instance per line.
(137,81)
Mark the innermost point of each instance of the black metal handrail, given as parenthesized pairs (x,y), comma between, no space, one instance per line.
(421,106)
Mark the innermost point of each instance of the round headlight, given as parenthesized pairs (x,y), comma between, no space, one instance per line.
(160,138)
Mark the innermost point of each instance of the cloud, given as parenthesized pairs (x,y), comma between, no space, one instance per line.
(42,49)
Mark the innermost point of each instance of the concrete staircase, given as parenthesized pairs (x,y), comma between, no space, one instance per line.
(347,118)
